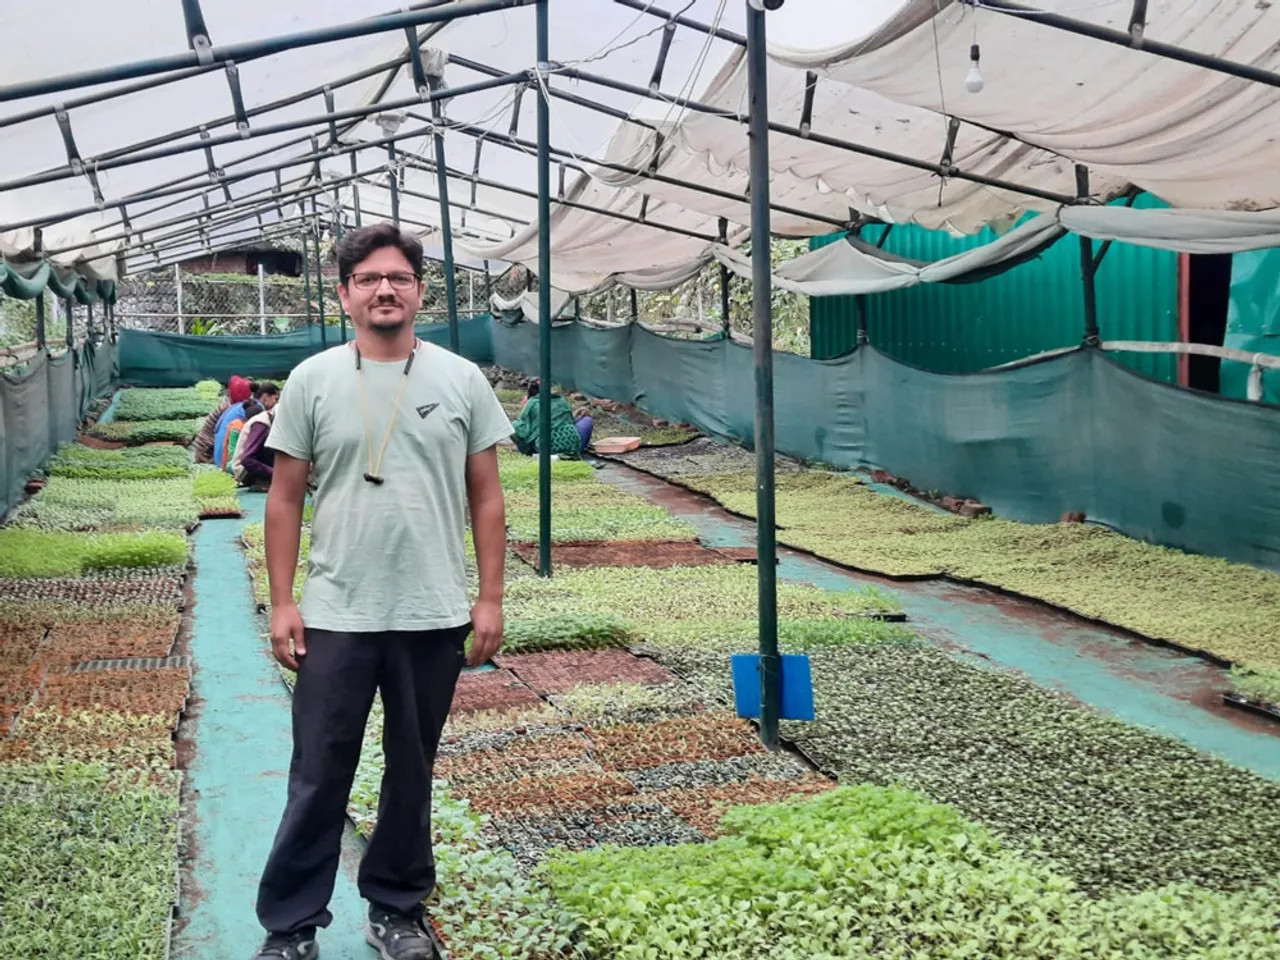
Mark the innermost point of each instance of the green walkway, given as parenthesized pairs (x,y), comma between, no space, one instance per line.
(235,786)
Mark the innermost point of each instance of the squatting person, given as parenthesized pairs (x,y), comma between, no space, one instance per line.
(402,437)
(238,391)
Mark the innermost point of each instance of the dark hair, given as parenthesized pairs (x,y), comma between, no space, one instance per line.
(359,244)
(252,408)
(268,390)
(534,388)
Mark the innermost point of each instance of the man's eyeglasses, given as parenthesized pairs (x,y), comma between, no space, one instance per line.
(370,281)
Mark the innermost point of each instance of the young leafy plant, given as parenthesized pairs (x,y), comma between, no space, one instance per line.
(210,483)
(879,872)
(76,461)
(163,404)
(150,431)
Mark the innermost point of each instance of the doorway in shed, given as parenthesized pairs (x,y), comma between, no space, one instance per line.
(1205,291)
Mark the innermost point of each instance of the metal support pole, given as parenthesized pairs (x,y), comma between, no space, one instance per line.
(324,327)
(446,228)
(306,277)
(88,322)
(262,299)
(71,330)
(177,289)
(863,338)
(544,295)
(1088,269)
(635,305)
(762,334)
(488,289)
(471,293)
(725,317)
(342,311)
(41,339)
(240,52)
(393,173)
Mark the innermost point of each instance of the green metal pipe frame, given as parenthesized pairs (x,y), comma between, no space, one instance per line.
(315,214)
(337,228)
(1135,41)
(243,209)
(544,294)
(256,48)
(927,165)
(446,227)
(483,211)
(184,191)
(762,345)
(41,333)
(576,160)
(306,278)
(1088,270)
(570,204)
(394,180)
(1134,38)
(289,226)
(176,149)
(725,317)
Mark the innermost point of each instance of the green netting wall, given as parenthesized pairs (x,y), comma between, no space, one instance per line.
(42,408)
(1037,306)
(1076,432)
(178,360)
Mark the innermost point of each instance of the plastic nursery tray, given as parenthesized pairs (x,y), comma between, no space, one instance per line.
(616,445)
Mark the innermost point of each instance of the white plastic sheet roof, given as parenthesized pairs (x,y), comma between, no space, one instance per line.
(891,74)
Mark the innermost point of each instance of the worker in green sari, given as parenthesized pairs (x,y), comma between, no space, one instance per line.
(570,435)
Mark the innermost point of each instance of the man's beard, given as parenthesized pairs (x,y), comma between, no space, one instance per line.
(383,324)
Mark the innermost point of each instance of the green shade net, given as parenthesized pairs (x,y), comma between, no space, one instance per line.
(28,280)
(1076,432)
(177,360)
(42,408)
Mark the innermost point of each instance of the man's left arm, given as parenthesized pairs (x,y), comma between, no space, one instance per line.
(489,531)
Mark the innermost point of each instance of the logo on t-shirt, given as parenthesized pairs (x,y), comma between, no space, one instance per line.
(425,409)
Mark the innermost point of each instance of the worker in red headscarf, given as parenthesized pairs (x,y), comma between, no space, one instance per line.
(238,391)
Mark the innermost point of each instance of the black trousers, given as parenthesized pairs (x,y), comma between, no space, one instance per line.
(416,673)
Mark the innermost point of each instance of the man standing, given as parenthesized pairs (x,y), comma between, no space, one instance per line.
(402,436)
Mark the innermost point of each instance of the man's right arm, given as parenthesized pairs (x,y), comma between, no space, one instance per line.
(285,501)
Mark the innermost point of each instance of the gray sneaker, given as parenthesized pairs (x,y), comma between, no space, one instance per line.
(289,946)
(398,936)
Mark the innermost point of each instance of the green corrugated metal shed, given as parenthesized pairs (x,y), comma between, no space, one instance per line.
(959,328)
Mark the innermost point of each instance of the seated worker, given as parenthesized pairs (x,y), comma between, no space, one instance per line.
(569,434)
(253,461)
(238,391)
(249,410)
(233,412)
(266,394)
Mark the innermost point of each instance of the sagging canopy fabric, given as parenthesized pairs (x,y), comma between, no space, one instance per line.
(30,280)
(855,267)
(1191,136)
(889,77)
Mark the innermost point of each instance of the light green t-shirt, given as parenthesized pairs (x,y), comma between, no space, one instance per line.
(388,556)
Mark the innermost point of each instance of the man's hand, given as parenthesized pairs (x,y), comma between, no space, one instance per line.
(486,621)
(287,641)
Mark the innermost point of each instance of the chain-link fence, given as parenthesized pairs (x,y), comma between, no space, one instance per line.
(205,304)
(18,327)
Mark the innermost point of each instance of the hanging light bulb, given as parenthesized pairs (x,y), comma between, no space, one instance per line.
(974,82)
